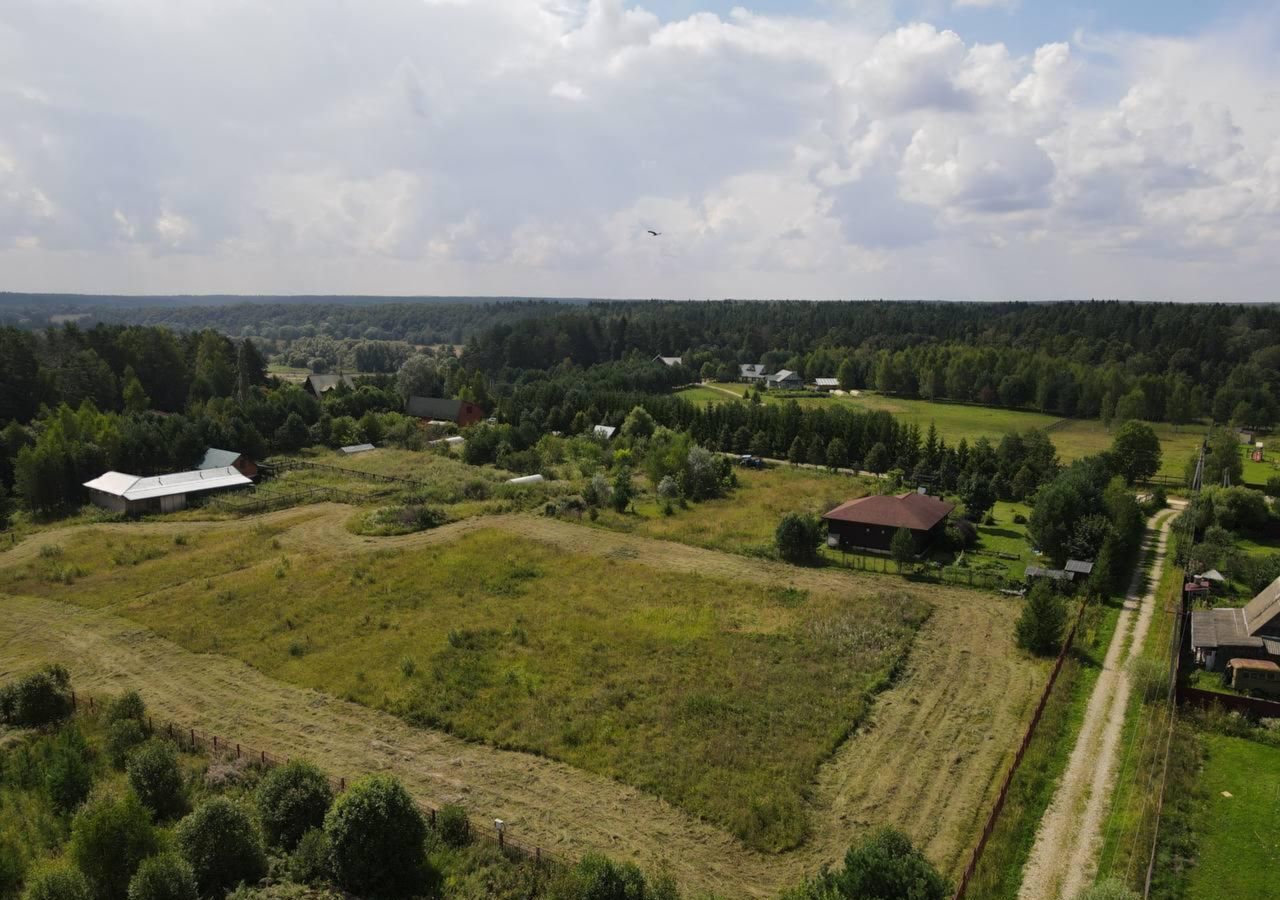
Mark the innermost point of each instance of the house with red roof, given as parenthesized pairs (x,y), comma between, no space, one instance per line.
(869,523)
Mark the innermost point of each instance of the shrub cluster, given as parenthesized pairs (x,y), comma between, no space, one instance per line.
(38,699)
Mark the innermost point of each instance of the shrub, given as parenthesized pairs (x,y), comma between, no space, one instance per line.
(797,538)
(1043,618)
(599,878)
(58,883)
(453,826)
(883,865)
(1273,486)
(292,800)
(902,547)
(110,836)
(128,706)
(156,779)
(69,776)
(310,860)
(123,736)
(166,876)
(221,843)
(1150,679)
(37,699)
(376,833)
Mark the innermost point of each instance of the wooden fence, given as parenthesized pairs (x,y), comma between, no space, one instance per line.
(1252,706)
(194,740)
(997,807)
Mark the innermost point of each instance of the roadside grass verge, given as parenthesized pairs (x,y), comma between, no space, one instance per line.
(999,872)
(723,697)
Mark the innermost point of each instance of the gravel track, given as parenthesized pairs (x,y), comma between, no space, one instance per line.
(1064,856)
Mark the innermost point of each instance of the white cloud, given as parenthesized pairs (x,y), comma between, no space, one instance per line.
(523,146)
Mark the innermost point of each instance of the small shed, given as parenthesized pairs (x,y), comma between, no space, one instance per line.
(604,431)
(669,360)
(826,384)
(353,449)
(1079,567)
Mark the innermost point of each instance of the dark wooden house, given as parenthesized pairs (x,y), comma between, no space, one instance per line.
(869,523)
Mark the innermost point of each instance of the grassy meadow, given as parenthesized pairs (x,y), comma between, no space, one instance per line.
(1074,438)
(745,520)
(720,696)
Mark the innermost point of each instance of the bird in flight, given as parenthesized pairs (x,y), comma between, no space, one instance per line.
(654,233)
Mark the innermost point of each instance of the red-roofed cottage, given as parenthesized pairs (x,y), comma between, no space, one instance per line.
(869,523)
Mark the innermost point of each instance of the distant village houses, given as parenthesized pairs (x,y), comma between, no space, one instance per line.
(669,360)
(752,373)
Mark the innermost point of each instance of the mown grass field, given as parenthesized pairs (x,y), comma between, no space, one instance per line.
(1238,835)
(1074,438)
(723,697)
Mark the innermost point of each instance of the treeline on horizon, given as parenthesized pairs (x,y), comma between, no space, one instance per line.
(1109,360)
(1098,359)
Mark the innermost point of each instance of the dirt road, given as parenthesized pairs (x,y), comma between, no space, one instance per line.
(1064,856)
(927,761)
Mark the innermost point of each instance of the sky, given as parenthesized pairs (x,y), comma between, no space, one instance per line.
(949,149)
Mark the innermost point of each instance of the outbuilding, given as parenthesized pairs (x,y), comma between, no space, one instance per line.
(826,384)
(604,431)
(132,494)
(439,409)
(869,523)
(319,385)
(669,360)
(785,380)
(220,459)
(1222,635)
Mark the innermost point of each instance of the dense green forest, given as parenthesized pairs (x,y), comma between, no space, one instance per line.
(1109,360)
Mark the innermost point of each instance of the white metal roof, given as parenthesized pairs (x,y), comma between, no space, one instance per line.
(827,382)
(131,487)
(604,431)
(356,448)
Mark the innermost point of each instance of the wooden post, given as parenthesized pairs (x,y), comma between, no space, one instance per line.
(73,700)
(237,751)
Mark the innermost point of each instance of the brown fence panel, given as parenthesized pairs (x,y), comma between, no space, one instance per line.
(1254,706)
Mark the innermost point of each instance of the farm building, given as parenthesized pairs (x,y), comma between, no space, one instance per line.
(1223,635)
(752,372)
(319,384)
(1260,675)
(462,412)
(869,523)
(669,360)
(826,384)
(785,380)
(604,431)
(119,492)
(1082,567)
(220,459)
